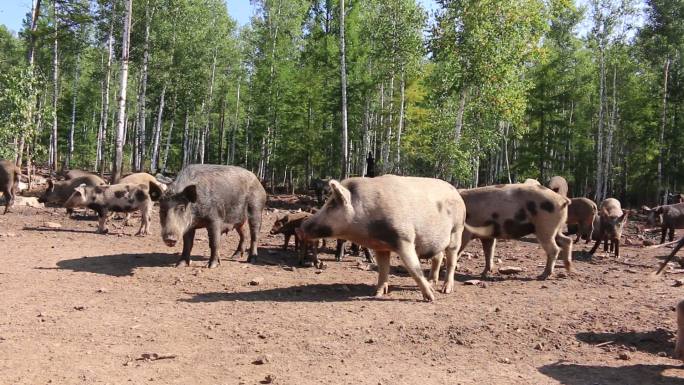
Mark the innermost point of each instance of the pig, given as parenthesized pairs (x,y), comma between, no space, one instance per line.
(142,177)
(559,185)
(287,225)
(59,192)
(355,250)
(73,174)
(9,182)
(679,345)
(320,188)
(532,182)
(138,178)
(515,210)
(581,212)
(611,222)
(413,217)
(218,198)
(671,217)
(125,197)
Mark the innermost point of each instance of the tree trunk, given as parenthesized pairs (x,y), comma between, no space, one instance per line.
(55,91)
(205,132)
(102,137)
(222,141)
(168,137)
(235,125)
(142,111)
(343,85)
(400,127)
(70,154)
(154,156)
(661,137)
(459,114)
(599,136)
(186,140)
(121,119)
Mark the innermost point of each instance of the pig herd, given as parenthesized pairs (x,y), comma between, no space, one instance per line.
(412,217)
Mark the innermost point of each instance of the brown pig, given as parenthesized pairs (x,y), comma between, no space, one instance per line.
(124,198)
(59,192)
(287,225)
(413,217)
(142,177)
(671,216)
(611,222)
(581,212)
(515,210)
(559,185)
(9,181)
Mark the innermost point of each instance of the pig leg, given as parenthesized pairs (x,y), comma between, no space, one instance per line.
(565,244)
(188,241)
(369,257)
(297,243)
(146,213)
(663,233)
(488,245)
(616,246)
(339,251)
(240,251)
(549,245)
(596,245)
(679,346)
(409,258)
(9,199)
(127,219)
(214,232)
(314,250)
(383,258)
(671,234)
(287,241)
(452,260)
(254,217)
(435,265)
(102,222)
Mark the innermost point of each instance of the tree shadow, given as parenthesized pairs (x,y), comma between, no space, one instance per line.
(654,341)
(575,374)
(333,292)
(117,265)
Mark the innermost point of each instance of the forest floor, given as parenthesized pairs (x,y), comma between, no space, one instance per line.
(78,307)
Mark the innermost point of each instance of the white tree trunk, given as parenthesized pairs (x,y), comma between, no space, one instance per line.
(121,119)
(154,156)
(102,136)
(55,95)
(343,84)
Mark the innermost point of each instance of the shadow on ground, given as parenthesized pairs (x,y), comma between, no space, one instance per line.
(654,341)
(575,374)
(334,292)
(118,265)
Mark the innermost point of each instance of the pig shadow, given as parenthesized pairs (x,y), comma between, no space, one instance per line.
(118,265)
(654,341)
(334,292)
(59,230)
(575,374)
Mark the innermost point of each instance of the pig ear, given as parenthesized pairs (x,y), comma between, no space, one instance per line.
(80,189)
(624,216)
(645,209)
(340,192)
(155,192)
(190,193)
(51,185)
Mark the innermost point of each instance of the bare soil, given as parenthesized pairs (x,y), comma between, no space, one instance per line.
(79,307)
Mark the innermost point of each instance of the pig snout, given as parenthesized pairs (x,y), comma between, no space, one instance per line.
(170,240)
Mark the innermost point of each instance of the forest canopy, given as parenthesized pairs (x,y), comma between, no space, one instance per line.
(475,92)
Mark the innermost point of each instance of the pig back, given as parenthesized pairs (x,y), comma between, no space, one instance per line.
(9,175)
(223,192)
(424,209)
(559,185)
(581,209)
(673,215)
(611,208)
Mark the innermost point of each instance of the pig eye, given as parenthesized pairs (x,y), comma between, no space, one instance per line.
(181,208)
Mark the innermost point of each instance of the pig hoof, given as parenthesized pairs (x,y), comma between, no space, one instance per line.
(105,231)
(429,296)
(213,264)
(382,290)
(252,259)
(182,263)
(543,276)
(448,287)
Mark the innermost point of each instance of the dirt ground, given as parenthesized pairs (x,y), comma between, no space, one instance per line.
(78,307)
